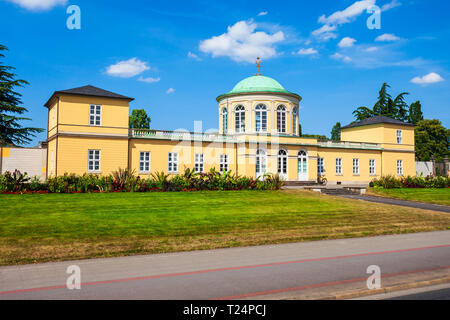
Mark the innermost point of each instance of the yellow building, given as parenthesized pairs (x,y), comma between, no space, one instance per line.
(258,133)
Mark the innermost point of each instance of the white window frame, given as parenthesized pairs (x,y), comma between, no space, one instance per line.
(199,163)
(239,119)
(281,118)
(144,161)
(95,119)
(339,166)
(282,162)
(399,137)
(94,160)
(261,113)
(400,167)
(261,162)
(224,114)
(372,167)
(173,162)
(294,121)
(320,166)
(356,166)
(223,163)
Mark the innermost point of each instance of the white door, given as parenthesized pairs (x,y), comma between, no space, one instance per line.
(302,167)
(282,164)
(260,163)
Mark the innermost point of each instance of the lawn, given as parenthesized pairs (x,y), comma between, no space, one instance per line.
(39,228)
(437,196)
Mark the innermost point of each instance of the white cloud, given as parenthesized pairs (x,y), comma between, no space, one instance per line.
(348,14)
(346,42)
(390,5)
(38,5)
(242,43)
(170,90)
(194,56)
(371,49)
(305,52)
(128,68)
(427,79)
(263,13)
(387,37)
(338,56)
(149,79)
(325,32)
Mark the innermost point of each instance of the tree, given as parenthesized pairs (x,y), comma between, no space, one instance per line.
(11,131)
(395,108)
(139,119)
(336,132)
(415,112)
(432,139)
(299,129)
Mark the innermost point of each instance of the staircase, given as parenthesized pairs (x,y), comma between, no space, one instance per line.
(300,183)
(340,191)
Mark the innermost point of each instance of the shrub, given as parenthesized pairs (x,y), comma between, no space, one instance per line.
(390,182)
(125,180)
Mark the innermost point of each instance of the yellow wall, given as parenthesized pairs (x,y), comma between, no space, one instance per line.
(385,134)
(159,151)
(74,115)
(73,154)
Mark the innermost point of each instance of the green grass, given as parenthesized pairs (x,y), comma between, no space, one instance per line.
(39,228)
(437,196)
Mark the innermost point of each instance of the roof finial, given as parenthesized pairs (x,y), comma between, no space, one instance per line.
(258,64)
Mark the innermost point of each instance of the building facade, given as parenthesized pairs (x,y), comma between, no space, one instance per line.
(258,134)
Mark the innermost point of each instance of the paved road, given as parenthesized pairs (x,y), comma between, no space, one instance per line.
(436,292)
(250,272)
(398,202)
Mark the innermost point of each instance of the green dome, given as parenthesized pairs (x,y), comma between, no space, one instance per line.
(258,84)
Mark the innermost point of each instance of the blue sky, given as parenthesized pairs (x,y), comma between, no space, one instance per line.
(176,57)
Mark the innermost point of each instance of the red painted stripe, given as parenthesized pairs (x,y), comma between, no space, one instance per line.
(321,285)
(224,269)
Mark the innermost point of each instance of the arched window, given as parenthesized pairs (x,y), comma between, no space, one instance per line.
(294,121)
(261,163)
(281,119)
(282,163)
(261,118)
(224,115)
(240,119)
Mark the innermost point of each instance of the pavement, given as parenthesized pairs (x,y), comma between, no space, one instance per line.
(436,292)
(398,202)
(284,271)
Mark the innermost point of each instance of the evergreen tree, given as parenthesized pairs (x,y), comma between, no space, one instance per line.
(11,131)
(336,132)
(415,112)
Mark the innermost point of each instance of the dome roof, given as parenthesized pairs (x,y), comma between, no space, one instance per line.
(258,84)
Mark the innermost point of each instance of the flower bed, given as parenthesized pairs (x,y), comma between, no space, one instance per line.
(127,181)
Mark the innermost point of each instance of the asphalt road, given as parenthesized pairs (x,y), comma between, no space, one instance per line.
(250,272)
(399,202)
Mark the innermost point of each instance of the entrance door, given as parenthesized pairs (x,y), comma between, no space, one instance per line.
(282,164)
(302,166)
(260,163)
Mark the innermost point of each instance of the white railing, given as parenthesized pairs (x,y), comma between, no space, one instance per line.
(346,144)
(179,135)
